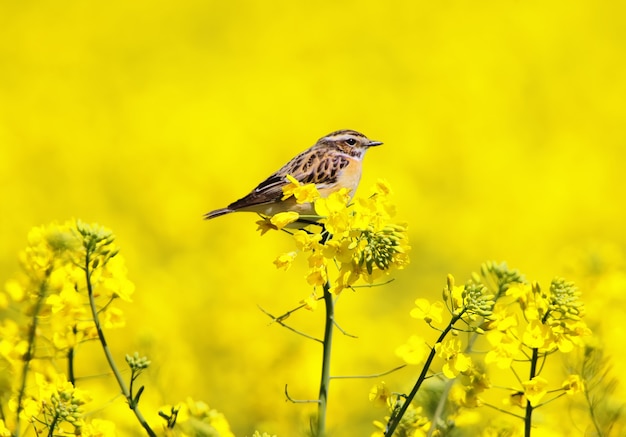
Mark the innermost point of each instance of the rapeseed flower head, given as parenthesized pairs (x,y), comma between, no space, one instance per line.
(358,240)
(428,312)
(535,390)
(455,361)
(61,267)
(306,193)
(195,418)
(380,393)
(573,384)
(283,219)
(414,423)
(414,351)
(505,347)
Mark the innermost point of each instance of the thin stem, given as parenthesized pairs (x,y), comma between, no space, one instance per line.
(374,375)
(560,395)
(53,425)
(396,416)
(279,320)
(529,407)
(107,352)
(299,401)
(446,390)
(502,410)
(130,389)
(343,331)
(325,379)
(70,366)
(28,357)
(71,353)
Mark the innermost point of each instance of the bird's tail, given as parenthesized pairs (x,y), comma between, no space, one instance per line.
(217,213)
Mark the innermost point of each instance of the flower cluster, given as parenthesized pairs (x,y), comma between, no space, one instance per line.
(195,418)
(522,324)
(357,237)
(413,423)
(72,276)
(61,266)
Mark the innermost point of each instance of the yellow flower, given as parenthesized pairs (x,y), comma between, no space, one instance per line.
(537,303)
(305,241)
(4,431)
(412,424)
(316,276)
(264,224)
(310,302)
(502,318)
(573,384)
(341,250)
(65,339)
(289,189)
(216,422)
(15,290)
(347,276)
(428,312)
(516,399)
(30,408)
(285,260)
(414,351)
(115,279)
(568,333)
(66,301)
(282,219)
(380,393)
(520,292)
(535,390)
(98,428)
(335,212)
(504,348)
(382,187)
(457,296)
(455,362)
(538,336)
(113,318)
(306,193)
(316,260)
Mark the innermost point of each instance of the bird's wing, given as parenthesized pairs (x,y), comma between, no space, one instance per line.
(312,166)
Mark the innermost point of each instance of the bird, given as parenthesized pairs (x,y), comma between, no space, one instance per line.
(332,163)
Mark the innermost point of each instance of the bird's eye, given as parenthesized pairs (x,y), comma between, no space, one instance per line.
(351,141)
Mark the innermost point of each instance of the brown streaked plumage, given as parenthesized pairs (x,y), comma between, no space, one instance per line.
(334,162)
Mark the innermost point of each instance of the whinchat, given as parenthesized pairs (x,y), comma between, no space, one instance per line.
(334,162)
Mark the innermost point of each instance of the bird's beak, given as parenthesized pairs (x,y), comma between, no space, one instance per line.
(374,143)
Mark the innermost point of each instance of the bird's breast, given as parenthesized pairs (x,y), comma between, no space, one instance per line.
(348,177)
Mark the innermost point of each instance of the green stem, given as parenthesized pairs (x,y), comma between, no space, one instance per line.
(28,357)
(70,366)
(325,380)
(529,407)
(534,359)
(395,418)
(53,425)
(107,352)
(446,391)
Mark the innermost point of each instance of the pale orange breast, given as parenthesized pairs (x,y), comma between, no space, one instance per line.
(349,178)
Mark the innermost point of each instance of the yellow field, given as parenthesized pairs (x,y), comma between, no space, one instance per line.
(504,135)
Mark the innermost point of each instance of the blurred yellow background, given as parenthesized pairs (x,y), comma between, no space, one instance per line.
(505,138)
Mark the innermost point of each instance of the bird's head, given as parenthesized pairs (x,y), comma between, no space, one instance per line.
(349,141)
